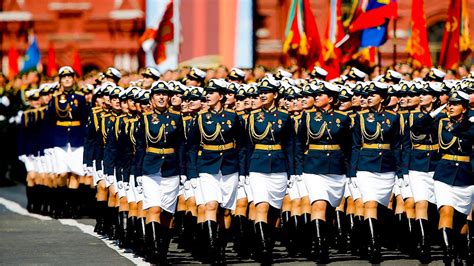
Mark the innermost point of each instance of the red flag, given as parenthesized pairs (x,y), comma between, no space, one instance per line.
(76,63)
(52,67)
(331,56)
(375,17)
(417,46)
(312,35)
(450,55)
(12,62)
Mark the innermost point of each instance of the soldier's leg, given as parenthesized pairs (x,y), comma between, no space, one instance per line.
(319,231)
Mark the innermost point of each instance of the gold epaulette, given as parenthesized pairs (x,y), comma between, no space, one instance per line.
(296,117)
(256,111)
(202,112)
(106,115)
(341,112)
(173,111)
(147,113)
(229,110)
(363,111)
(283,110)
(186,118)
(240,112)
(310,111)
(79,93)
(402,111)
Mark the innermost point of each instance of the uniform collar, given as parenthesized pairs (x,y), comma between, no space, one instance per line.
(216,112)
(156,111)
(271,110)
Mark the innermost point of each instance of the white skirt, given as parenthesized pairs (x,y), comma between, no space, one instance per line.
(69,160)
(198,193)
(422,186)
(352,190)
(376,186)
(241,194)
(130,190)
(269,188)
(248,191)
(460,198)
(188,192)
(328,187)
(220,188)
(404,191)
(298,190)
(160,192)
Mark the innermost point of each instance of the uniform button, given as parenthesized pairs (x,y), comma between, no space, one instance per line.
(327,154)
(222,130)
(460,140)
(269,154)
(162,157)
(380,153)
(273,122)
(220,153)
(428,154)
(330,122)
(457,164)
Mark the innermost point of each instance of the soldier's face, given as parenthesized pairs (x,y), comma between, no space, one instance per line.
(356,100)
(414,101)
(160,100)
(426,99)
(308,102)
(403,102)
(192,82)
(471,99)
(345,105)
(248,103)
(131,105)
(323,100)
(106,100)
(124,106)
(229,98)
(393,101)
(115,104)
(239,105)
(195,105)
(213,98)
(455,110)
(176,100)
(256,103)
(297,104)
(185,106)
(99,101)
(67,81)
(374,100)
(288,104)
(147,81)
(267,97)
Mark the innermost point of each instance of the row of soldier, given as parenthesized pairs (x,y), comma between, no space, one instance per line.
(367,162)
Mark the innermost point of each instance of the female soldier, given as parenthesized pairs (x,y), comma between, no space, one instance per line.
(421,157)
(160,162)
(217,156)
(321,142)
(271,163)
(376,159)
(453,185)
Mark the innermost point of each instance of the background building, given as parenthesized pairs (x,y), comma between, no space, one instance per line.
(106,32)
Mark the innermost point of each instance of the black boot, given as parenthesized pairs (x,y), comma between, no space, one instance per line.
(123,240)
(446,239)
(264,251)
(113,225)
(186,240)
(131,231)
(30,198)
(424,246)
(153,234)
(319,242)
(401,221)
(179,225)
(341,239)
(163,245)
(294,234)
(210,231)
(239,235)
(285,229)
(356,235)
(411,238)
(100,217)
(141,237)
(373,247)
(251,238)
(305,235)
(74,200)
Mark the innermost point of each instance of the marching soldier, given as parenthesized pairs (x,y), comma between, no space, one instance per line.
(376,160)
(321,147)
(150,75)
(160,163)
(217,155)
(270,163)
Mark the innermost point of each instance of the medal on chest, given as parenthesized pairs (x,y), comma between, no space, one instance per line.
(261,117)
(318,116)
(154,119)
(208,117)
(370,117)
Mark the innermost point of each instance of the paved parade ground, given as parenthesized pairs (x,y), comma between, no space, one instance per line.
(35,239)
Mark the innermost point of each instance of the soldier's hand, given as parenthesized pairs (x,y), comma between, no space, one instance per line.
(291,181)
(401,182)
(110,179)
(194,183)
(182,179)
(187,185)
(241,181)
(438,110)
(247,180)
(353,182)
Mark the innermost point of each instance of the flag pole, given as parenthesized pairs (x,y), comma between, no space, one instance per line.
(394,55)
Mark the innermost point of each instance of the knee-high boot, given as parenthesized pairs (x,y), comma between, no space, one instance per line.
(470,242)
(264,250)
(123,240)
(446,239)
(424,246)
(373,247)
(319,241)
(341,238)
(153,232)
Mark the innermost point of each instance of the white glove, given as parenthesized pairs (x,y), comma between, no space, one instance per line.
(126,186)
(18,117)
(241,180)
(299,178)
(247,180)
(291,181)
(4,100)
(121,189)
(85,169)
(402,182)
(353,181)
(438,110)
(194,183)
(139,181)
(187,185)
(110,179)
(90,171)
(182,179)
(100,173)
